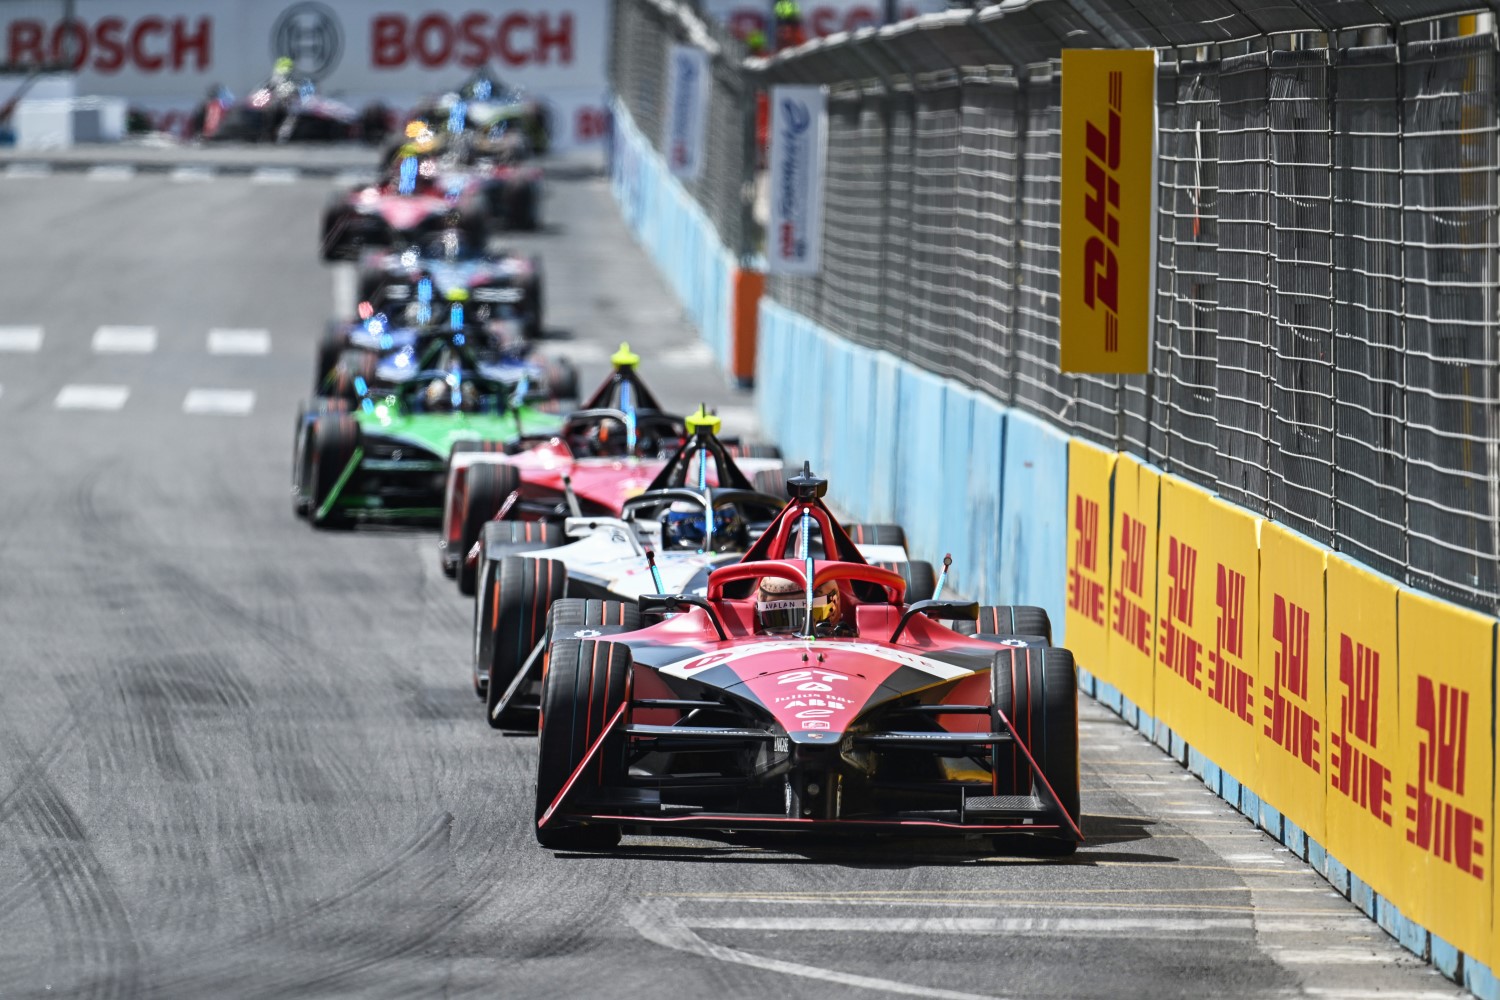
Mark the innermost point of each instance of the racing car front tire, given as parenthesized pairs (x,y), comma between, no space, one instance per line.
(510,619)
(1007,619)
(1037,689)
(485,488)
(333,439)
(588,618)
(586,684)
(330,347)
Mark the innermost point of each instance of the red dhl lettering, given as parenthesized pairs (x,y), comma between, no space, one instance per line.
(434,39)
(1133,555)
(110,44)
(1230,685)
(1353,770)
(1288,724)
(1101,277)
(1132,623)
(1180,652)
(1443,828)
(1085,595)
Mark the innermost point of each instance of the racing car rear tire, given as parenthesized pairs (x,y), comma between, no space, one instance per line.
(333,439)
(588,618)
(772,483)
(562,379)
(330,347)
(1037,688)
(586,684)
(521,207)
(921,579)
(485,488)
(535,323)
(510,619)
(1007,619)
(876,534)
(352,364)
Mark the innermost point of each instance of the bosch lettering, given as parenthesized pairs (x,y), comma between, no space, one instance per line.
(434,40)
(1434,822)
(1354,770)
(1230,685)
(1132,622)
(1288,724)
(1101,278)
(1179,650)
(111,44)
(1085,594)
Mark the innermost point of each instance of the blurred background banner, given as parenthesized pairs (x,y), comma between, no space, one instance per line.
(687,104)
(162,56)
(799,128)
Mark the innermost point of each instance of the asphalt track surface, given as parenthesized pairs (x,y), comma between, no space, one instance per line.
(242,758)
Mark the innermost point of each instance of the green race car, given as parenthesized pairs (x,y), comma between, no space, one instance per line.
(382,453)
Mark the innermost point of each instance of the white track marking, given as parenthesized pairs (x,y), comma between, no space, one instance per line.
(27,171)
(345,287)
(657,922)
(1329,956)
(968,925)
(738,419)
(239,342)
(125,339)
(192,175)
(275,175)
(353,178)
(694,355)
(91,397)
(234,402)
(111,172)
(25,339)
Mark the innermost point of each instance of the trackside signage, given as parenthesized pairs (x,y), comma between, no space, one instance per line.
(799,128)
(1108,150)
(687,110)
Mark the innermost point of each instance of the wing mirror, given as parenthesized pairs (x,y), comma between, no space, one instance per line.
(937,608)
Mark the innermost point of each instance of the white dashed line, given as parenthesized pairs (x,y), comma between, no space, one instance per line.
(26,339)
(192,175)
(27,171)
(274,175)
(234,402)
(967,925)
(125,339)
(239,342)
(353,178)
(111,172)
(1328,956)
(91,397)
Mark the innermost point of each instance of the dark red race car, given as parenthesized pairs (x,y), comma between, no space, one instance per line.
(805,694)
(609,450)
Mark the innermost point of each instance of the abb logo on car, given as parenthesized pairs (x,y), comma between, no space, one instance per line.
(1355,770)
(1085,595)
(1288,724)
(1132,622)
(1180,652)
(1437,825)
(1101,280)
(1230,685)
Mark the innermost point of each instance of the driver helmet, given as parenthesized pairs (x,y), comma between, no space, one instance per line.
(440,396)
(781,606)
(685,527)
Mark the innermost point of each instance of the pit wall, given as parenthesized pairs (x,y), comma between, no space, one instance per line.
(1349,717)
(679,238)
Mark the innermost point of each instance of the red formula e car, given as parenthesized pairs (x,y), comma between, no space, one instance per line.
(808,694)
(609,451)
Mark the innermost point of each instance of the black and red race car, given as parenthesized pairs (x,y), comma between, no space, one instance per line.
(410,203)
(836,704)
(609,450)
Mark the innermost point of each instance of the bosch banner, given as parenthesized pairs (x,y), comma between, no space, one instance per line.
(687,109)
(1363,725)
(799,129)
(1108,153)
(163,55)
(1087,610)
(1291,761)
(1132,583)
(1444,802)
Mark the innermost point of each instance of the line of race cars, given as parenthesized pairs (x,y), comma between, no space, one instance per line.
(698,642)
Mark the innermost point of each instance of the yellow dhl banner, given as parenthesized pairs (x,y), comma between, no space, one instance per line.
(1087,629)
(1108,148)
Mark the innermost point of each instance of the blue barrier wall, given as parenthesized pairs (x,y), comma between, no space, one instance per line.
(676,234)
(897,444)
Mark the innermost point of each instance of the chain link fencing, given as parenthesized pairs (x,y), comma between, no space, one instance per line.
(1325,338)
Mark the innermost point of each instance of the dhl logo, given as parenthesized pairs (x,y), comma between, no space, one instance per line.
(1179,650)
(1443,828)
(1086,595)
(1288,724)
(1355,772)
(1101,279)
(1132,621)
(1230,686)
